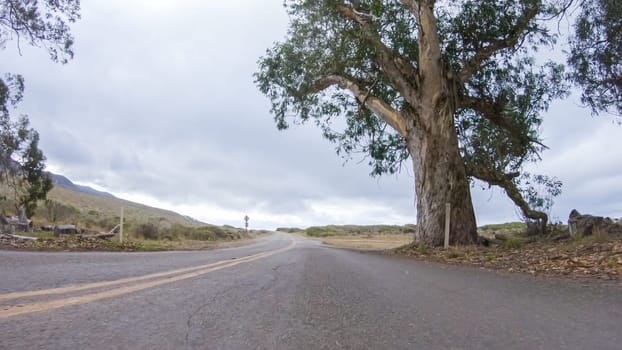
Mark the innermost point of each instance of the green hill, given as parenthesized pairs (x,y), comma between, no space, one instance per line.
(91,209)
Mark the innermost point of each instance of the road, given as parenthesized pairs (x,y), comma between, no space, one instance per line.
(286,292)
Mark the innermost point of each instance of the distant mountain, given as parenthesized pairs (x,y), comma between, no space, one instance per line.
(60,180)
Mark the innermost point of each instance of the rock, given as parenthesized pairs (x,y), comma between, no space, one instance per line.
(501,236)
(586,225)
(483,241)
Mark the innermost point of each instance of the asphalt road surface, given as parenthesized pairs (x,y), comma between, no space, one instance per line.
(285,292)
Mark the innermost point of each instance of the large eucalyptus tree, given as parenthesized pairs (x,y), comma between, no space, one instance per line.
(459,86)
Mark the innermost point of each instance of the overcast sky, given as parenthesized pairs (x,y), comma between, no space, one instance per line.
(159,106)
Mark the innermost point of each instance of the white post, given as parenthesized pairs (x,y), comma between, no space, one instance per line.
(121,227)
(447,223)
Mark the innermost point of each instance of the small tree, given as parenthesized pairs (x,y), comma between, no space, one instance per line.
(22,166)
(55,211)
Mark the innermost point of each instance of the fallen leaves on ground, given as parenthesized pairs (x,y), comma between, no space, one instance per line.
(602,260)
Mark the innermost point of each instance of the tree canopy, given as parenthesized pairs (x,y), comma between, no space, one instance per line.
(596,54)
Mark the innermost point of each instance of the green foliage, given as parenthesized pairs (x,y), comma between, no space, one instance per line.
(56,212)
(152,231)
(147,231)
(513,242)
(511,226)
(290,229)
(22,163)
(36,182)
(321,42)
(423,248)
(40,234)
(350,230)
(106,223)
(453,254)
(42,24)
(595,238)
(490,257)
(540,190)
(596,54)
(114,245)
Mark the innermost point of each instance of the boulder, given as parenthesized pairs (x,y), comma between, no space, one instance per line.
(586,225)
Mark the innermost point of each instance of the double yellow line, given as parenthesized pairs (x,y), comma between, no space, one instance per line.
(161,278)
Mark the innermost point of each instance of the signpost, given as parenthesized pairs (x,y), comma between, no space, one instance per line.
(121,227)
(246,218)
(447,223)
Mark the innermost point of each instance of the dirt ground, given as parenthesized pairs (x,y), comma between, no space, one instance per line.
(595,257)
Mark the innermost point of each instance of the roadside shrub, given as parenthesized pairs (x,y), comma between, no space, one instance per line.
(353,230)
(453,254)
(513,242)
(147,231)
(107,223)
(289,229)
(56,212)
(509,226)
(409,228)
(316,231)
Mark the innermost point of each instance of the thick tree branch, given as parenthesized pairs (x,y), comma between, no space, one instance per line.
(434,85)
(373,103)
(413,6)
(505,181)
(474,64)
(494,112)
(399,71)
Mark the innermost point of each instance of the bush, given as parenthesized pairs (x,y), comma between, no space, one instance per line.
(513,242)
(289,229)
(324,231)
(147,231)
(56,212)
(510,226)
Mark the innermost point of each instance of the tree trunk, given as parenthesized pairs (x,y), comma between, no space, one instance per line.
(440,178)
(440,174)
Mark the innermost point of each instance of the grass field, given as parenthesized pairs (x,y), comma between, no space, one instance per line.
(351,230)
(386,241)
(357,236)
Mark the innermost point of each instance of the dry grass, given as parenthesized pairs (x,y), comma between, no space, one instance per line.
(111,207)
(369,241)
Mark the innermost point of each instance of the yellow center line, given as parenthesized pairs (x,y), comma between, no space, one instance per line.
(15,310)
